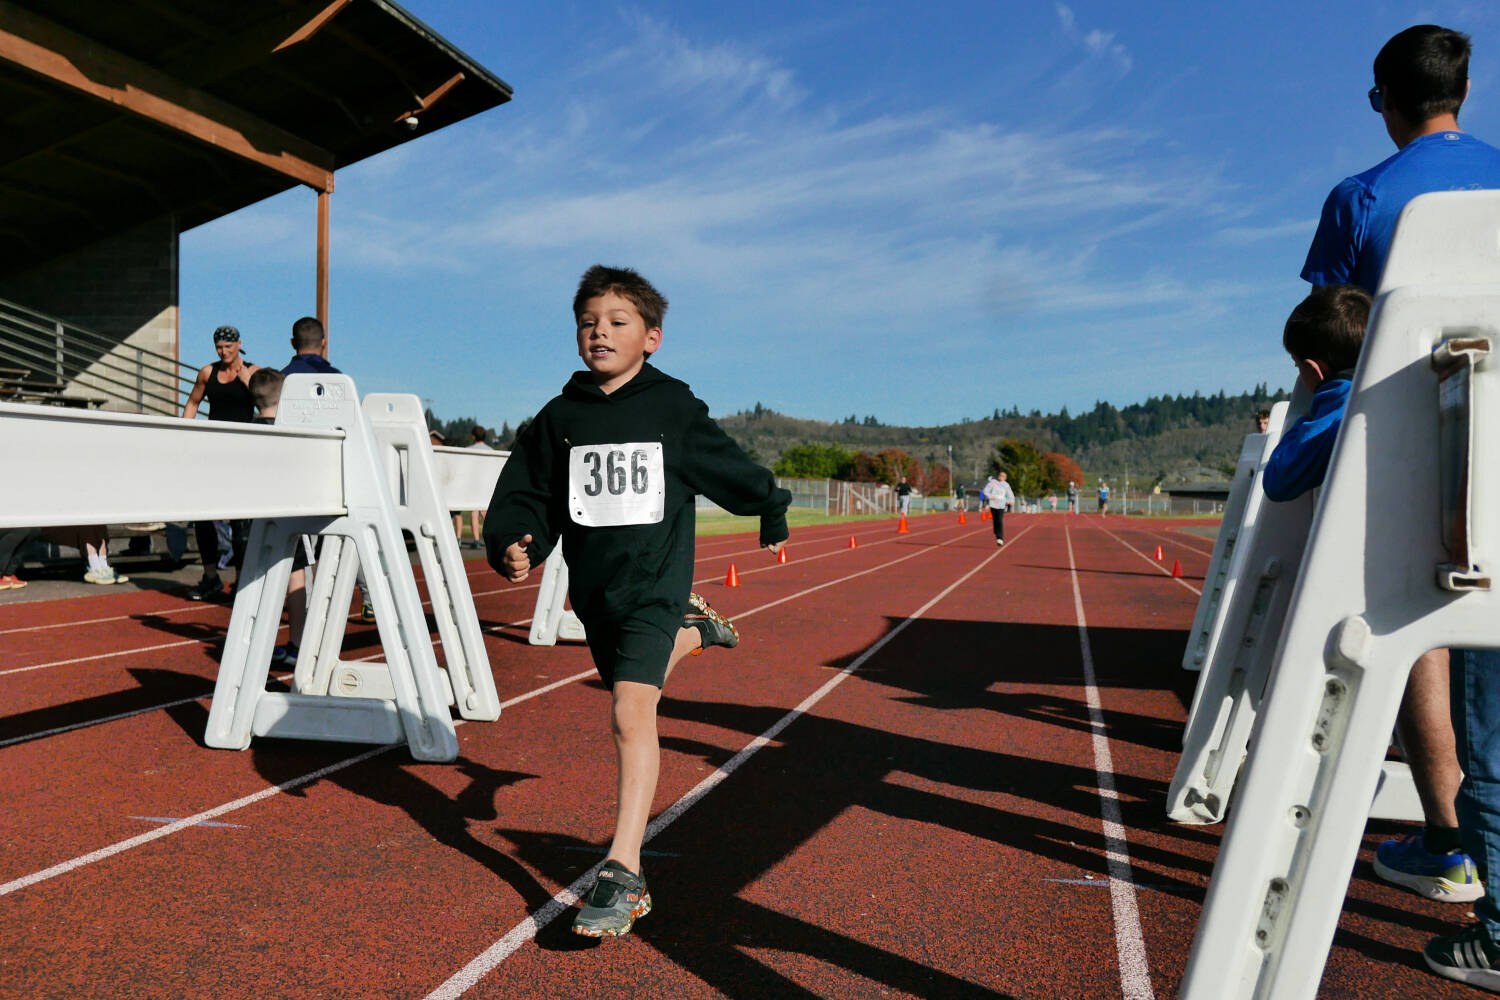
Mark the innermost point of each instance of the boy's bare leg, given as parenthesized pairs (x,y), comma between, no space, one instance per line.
(1426,731)
(633,719)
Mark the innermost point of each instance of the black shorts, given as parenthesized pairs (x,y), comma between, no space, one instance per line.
(630,650)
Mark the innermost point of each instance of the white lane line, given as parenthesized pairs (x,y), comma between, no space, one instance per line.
(1130,945)
(488,960)
(161,613)
(100,656)
(217,811)
(85,723)
(1158,566)
(426,604)
(121,846)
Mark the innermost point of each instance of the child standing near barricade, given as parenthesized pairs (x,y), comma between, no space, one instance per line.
(1323,335)
(612,465)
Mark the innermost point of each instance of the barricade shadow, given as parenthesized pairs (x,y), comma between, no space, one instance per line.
(153,687)
(400,785)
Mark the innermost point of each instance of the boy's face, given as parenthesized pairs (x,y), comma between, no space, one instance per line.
(613,340)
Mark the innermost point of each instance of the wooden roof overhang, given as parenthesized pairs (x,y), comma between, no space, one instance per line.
(113,112)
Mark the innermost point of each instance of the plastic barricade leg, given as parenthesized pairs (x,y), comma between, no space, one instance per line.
(418,705)
(552,620)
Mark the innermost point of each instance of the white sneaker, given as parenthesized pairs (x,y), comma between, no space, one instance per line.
(999,541)
(100,576)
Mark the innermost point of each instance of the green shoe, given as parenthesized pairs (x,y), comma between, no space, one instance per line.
(612,906)
(714,627)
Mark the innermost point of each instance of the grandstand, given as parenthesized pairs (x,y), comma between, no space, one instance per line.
(129,122)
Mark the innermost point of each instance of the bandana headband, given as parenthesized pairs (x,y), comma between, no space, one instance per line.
(226,334)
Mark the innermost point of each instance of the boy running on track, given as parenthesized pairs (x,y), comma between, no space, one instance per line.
(612,465)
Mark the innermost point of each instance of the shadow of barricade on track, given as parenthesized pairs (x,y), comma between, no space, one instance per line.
(153,688)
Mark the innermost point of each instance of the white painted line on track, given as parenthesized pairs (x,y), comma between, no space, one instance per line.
(160,613)
(1130,944)
(1158,566)
(488,960)
(100,656)
(121,846)
(125,845)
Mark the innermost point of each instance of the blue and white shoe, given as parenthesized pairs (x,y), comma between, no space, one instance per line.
(1448,878)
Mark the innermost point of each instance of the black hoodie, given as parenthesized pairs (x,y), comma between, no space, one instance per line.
(637,570)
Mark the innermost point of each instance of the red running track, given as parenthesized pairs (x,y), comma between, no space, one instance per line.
(891,788)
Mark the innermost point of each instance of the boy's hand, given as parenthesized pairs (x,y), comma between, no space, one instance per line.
(775,549)
(516,564)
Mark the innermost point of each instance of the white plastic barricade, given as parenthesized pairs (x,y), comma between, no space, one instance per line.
(405,450)
(552,620)
(1388,574)
(1237,525)
(318,471)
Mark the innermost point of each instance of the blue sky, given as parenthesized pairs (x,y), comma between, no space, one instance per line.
(921,211)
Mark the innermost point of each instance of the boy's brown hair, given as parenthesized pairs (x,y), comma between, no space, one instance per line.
(1328,326)
(265,387)
(600,280)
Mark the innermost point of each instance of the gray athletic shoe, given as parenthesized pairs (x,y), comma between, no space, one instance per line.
(613,905)
(714,627)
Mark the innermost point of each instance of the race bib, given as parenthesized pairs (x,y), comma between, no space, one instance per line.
(611,485)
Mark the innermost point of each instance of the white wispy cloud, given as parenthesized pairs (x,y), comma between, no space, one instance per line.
(1097,41)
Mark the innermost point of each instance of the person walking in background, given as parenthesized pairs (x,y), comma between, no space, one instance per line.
(478,442)
(903,496)
(1103,498)
(1072,497)
(1000,497)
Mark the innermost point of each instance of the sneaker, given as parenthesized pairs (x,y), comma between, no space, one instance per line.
(613,905)
(208,588)
(999,541)
(105,576)
(285,656)
(1450,878)
(367,612)
(714,627)
(11,582)
(1468,957)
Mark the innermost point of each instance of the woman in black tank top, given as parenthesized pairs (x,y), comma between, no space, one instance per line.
(226,385)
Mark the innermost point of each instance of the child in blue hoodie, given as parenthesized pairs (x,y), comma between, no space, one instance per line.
(1323,335)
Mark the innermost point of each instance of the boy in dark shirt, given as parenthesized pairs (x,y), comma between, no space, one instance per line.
(612,465)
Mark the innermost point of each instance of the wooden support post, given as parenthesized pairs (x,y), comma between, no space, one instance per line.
(322,295)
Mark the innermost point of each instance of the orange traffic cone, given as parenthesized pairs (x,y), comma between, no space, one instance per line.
(733,579)
(1158,554)
(1176,568)
(901,528)
(962,518)
(781,556)
(852,543)
(984,513)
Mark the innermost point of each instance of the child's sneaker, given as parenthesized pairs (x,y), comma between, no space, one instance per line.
(208,588)
(714,627)
(613,905)
(1450,878)
(11,582)
(1468,957)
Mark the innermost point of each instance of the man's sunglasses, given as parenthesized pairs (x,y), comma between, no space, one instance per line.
(1374,96)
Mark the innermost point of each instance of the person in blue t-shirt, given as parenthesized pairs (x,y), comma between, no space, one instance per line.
(1421,81)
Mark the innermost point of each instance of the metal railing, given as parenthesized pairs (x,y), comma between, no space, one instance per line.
(49,360)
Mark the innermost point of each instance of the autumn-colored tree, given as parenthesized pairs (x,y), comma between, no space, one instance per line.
(863,468)
(893,463)
(1062,470)
(935,482)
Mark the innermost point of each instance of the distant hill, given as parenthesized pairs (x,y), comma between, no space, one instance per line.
(1167,439)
